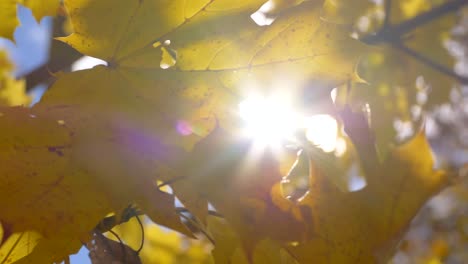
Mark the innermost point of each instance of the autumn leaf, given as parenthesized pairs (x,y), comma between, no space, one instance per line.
(17,246)
(41,9)
(59,189)
(365,226)
(345,12)
(201,82)
(161,245)
(241,188)
(337,226)
(162,112)
(229,248)
(104,127)
(12,92)
(9,17)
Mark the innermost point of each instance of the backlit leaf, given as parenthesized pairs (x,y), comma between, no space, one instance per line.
(163,112)
(162,245)
(115,119)
(365,226)
(61,189)
(12,92)
(17,246)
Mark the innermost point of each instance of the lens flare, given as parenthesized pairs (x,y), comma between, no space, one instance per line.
(322,130)
(269,121)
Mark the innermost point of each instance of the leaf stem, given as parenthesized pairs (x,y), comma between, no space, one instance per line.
(142,234)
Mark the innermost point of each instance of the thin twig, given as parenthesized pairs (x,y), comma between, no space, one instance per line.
(431,63)
(388,13)
(110,222)
(394,33)
(142,234)
(210,212)
(417,21)
(197,225)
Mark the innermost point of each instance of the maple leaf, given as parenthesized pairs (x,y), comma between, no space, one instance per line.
(9,17)
(137,91)
(94,143)
(101,138)
(229,249)
(12,92)
(242,188)
(162,245)
(345,12)
(17,246)
(59,189)
(365,226)
(326,224)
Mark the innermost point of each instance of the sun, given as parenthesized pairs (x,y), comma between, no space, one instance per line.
(271,121)
(322,130)
(268,121)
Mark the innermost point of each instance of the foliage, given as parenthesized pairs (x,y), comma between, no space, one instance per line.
(12,92)
(8,13)
(107,137)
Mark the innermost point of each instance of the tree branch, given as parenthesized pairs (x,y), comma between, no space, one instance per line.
(431,63)
(394,33)
(388,13)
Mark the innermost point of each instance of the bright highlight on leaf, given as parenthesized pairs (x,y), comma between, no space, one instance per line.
(268,120)
(261,17)
(86,62)
(322,130)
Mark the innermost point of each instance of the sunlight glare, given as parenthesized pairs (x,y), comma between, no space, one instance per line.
(268,120)
(86,62)
(260,17)
(322,130)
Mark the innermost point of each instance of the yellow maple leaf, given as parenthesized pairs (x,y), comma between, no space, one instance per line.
(202,83)
(325,225)
(117,116)
(17,246)
(229,248)
(241,188)
(345,12)
(9,17)
(62,200)
(365,226)
(98,138)
(12,92)
(162,245)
